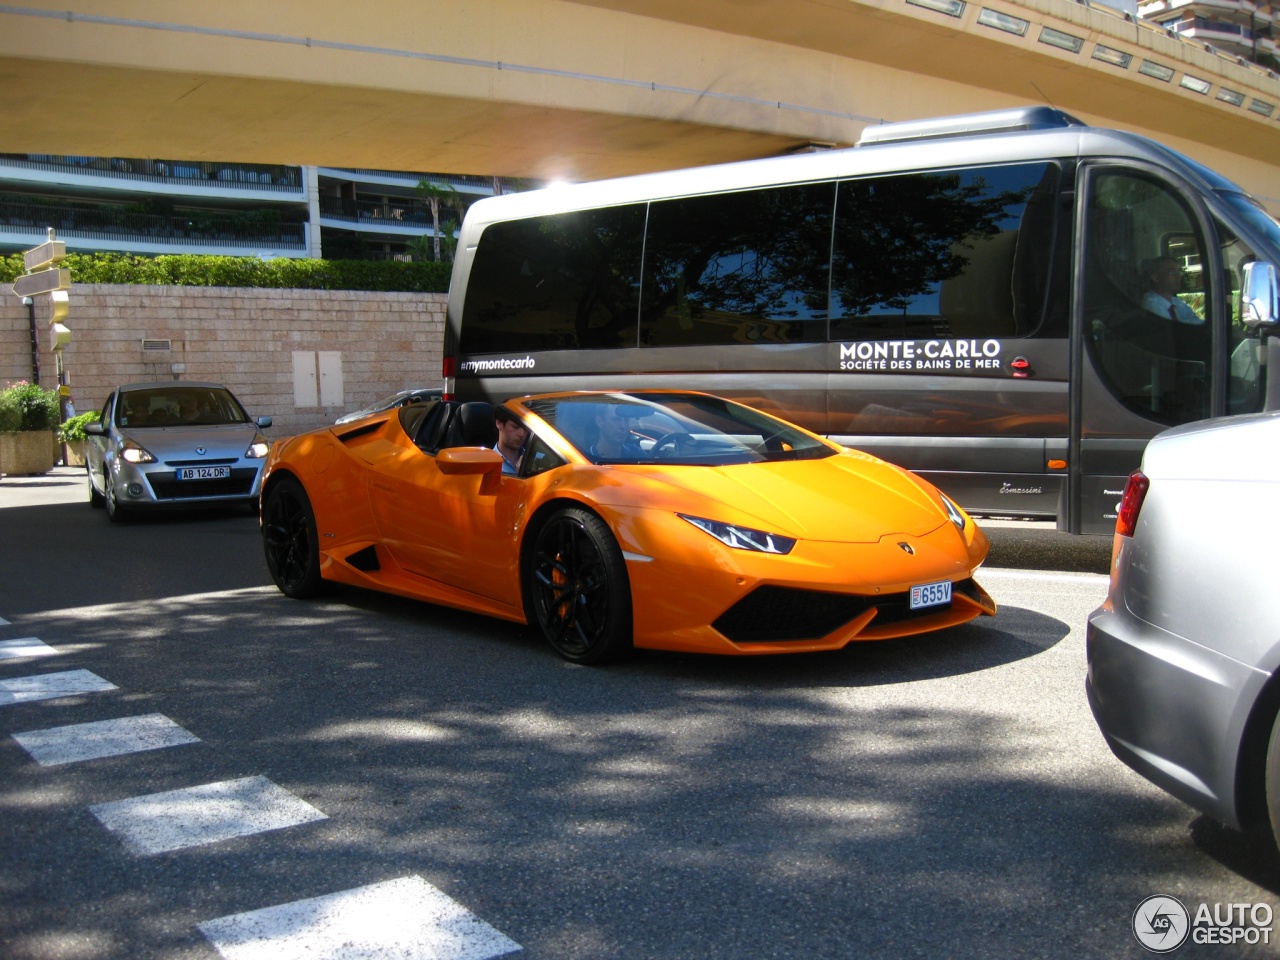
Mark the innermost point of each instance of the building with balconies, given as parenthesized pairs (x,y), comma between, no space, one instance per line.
(1241,28)
(151,207)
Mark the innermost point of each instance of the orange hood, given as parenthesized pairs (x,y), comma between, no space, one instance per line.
(848,498)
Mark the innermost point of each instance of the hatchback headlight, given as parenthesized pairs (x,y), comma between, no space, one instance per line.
(133,453)
(258,449)
(742,538)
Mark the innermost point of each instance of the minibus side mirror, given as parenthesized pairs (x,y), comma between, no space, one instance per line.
(1260,299)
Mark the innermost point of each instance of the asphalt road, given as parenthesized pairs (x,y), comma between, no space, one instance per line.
(941,796)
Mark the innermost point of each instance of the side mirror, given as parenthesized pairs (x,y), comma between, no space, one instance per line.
(463,460)
(263,422)
(1260,298)
(95,430)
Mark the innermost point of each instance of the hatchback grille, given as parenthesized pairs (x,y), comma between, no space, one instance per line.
(239,484)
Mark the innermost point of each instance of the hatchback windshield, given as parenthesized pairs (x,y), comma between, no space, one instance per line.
(178,406)
(674,428)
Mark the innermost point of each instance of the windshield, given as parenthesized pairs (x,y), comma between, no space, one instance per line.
(674,428)
(1257,219)
(178,406)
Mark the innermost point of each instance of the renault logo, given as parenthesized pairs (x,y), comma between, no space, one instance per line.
(907,548)
(200,451)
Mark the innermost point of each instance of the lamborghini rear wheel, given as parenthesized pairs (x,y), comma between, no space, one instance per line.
(578,588)
(290,542)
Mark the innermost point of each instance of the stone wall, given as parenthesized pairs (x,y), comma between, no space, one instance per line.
(302,357)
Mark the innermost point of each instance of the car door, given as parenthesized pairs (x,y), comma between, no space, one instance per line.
(442,518)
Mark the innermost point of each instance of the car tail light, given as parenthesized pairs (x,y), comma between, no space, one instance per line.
(449,369)
(1131,504)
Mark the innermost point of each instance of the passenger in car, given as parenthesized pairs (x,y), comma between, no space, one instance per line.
(512,434)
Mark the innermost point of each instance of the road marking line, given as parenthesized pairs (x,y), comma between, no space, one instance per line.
(407,918)
(194,816)
(51,686)
(1002,573)
(105,738)
(25,647)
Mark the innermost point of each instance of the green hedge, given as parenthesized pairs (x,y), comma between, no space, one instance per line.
(191,270)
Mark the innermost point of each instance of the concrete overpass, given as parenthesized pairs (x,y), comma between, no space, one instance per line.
(582,89)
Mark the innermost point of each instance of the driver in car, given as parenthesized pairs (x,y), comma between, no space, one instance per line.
(615,442)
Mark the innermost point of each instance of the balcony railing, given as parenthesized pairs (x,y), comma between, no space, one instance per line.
(407,214)
(458,179)
(105,223)
(220,176)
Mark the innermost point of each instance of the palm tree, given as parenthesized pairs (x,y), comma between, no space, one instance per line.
(434,193)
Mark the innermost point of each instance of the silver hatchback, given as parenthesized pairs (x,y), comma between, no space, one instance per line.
(1183,656)
(174,443)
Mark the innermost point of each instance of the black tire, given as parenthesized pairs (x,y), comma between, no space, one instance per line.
(578,589)
(95,498)
(115,512)
(290,542)
(1273,781)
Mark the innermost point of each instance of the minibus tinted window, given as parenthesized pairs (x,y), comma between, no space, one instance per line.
(556,283)
(747,267)
(961,253)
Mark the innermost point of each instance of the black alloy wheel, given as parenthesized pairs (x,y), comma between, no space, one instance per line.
(578,588)
(290,542)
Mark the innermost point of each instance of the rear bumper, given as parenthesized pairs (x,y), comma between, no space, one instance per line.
(1173,710)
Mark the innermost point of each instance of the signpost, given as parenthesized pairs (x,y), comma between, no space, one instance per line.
(45,278)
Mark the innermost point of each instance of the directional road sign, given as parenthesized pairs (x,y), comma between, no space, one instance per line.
(45,255)
(46,281)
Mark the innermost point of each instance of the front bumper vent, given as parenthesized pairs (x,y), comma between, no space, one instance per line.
(771,614)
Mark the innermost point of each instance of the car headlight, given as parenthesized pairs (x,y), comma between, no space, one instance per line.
(258,449)
(742,538)
(954,513)
(132,453)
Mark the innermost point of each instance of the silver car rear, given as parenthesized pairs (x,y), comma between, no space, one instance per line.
(1182,657)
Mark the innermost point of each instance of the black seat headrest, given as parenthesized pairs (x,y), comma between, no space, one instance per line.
(472,426)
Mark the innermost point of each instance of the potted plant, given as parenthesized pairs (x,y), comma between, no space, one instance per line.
(28,416)
(72,434)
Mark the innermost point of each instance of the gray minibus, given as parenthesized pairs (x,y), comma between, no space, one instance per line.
(1011,303)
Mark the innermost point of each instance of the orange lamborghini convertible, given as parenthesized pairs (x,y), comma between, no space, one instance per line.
(666,520)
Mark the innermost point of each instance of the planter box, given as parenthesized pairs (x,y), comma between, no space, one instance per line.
(75,452)
(29,452)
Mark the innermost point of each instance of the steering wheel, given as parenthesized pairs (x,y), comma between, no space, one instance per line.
(676,440)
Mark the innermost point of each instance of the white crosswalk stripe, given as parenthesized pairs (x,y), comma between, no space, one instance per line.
(51,686)
(25,647)
(407,918)
(194,816)
(103,738)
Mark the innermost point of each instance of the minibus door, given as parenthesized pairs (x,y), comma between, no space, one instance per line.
(1149,328)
